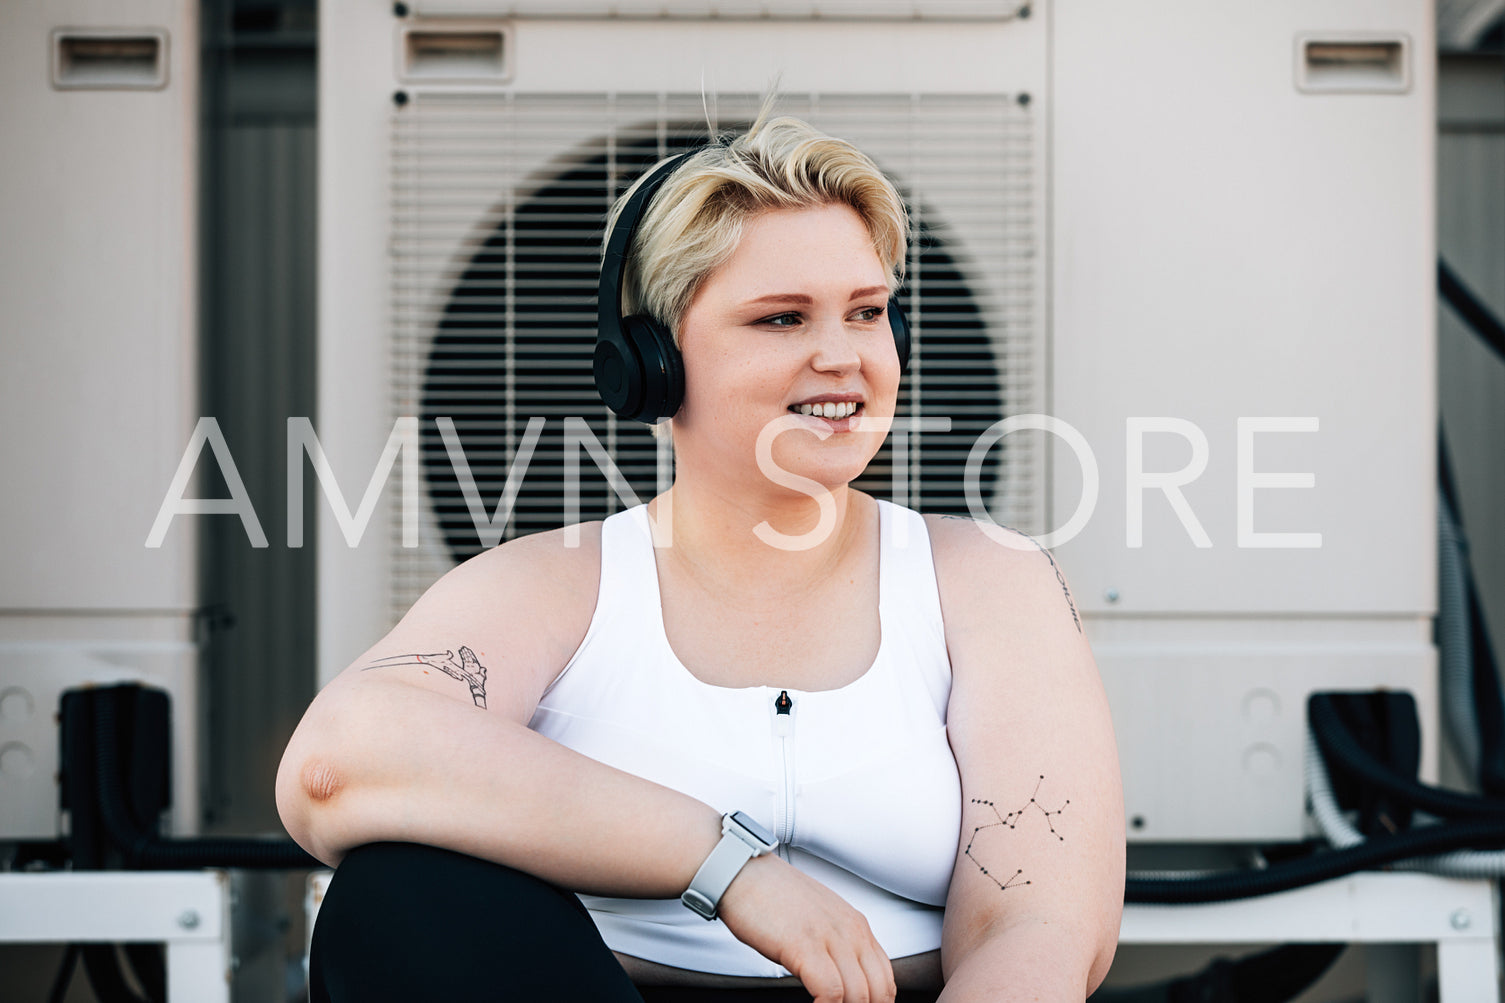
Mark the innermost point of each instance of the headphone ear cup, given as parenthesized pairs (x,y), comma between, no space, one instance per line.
(899,324)
(661,368)
(618,373)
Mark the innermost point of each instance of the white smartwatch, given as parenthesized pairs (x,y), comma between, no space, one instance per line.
(742,839)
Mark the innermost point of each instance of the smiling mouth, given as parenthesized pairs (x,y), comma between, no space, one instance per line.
(835,410)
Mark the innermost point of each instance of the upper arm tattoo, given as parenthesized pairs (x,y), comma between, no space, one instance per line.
(987,848)
(466,668)
(1065,592)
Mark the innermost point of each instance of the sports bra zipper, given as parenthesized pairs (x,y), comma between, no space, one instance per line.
(783,726)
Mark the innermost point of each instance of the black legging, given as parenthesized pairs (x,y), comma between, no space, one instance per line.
(404,921)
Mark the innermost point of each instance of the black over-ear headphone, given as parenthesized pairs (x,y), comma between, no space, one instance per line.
(638,369)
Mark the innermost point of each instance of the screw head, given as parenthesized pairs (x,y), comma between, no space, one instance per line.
(188,919)
(1460,919)
(1111,595)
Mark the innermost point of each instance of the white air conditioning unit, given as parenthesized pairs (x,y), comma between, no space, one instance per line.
(1182,231)
(99,237)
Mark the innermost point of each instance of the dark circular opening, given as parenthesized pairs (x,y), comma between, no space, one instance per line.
(540,265)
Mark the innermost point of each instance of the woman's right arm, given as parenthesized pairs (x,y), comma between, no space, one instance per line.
(424,739)
(436,750)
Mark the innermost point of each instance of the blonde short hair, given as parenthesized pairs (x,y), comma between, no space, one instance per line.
(695,220)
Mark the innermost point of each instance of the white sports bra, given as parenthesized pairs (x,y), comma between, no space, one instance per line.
(858,783)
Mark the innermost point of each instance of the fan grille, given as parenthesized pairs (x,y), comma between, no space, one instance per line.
(498,205)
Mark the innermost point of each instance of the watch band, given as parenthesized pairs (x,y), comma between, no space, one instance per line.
(738,845)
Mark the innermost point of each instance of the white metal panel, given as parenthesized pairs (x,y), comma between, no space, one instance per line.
(1370,908)
(1210,714)
(97,273)
(862,10)
(1229,246)
(115,906)
(581,58)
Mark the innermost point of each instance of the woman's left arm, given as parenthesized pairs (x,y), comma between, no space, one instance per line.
(1036,894)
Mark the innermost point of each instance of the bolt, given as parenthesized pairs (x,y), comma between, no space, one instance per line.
(399,10)
(400,98)
(1137,822)
(1023,11)
(188,919)
(1111,595)
(1460,919)
(1023,99)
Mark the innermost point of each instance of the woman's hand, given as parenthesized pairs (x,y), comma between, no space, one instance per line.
(791,918)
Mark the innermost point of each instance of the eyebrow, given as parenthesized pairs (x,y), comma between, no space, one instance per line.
(803,300)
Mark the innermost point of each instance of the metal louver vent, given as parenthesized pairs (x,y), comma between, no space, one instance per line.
(498,206)
(865,10)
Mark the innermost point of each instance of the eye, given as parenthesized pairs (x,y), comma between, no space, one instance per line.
(781,320)
(872,313)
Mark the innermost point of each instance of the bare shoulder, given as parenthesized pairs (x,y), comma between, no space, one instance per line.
(548,579)
(552,561)
(998,574)
(499,627)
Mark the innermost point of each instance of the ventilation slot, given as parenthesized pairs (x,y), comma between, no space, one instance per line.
(95,60)
(470,55)
(1353,65)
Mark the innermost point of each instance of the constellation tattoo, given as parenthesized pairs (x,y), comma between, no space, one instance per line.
(466,668)
(1011,820)
(1053,566)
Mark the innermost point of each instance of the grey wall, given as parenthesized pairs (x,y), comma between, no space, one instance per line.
(1471,238)
(258,349)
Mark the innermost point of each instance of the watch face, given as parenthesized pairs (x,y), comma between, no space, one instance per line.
(759,833)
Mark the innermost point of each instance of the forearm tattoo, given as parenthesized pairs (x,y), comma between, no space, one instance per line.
(987,847)
(1053,566)
(466,668)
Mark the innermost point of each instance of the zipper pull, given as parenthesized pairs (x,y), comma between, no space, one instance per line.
(782,719)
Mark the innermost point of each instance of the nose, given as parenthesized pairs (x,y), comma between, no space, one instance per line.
(836,348)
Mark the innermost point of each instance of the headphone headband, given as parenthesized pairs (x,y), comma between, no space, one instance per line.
(614,260)
(637,368)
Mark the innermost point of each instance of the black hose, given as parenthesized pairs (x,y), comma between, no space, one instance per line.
(1483,826)
(1474,313)
(145,850)
(1422,842)
(1338,747)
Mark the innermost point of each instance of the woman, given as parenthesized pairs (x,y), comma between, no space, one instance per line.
(907,705)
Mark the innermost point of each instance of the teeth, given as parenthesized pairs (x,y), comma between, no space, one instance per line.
(830,409)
